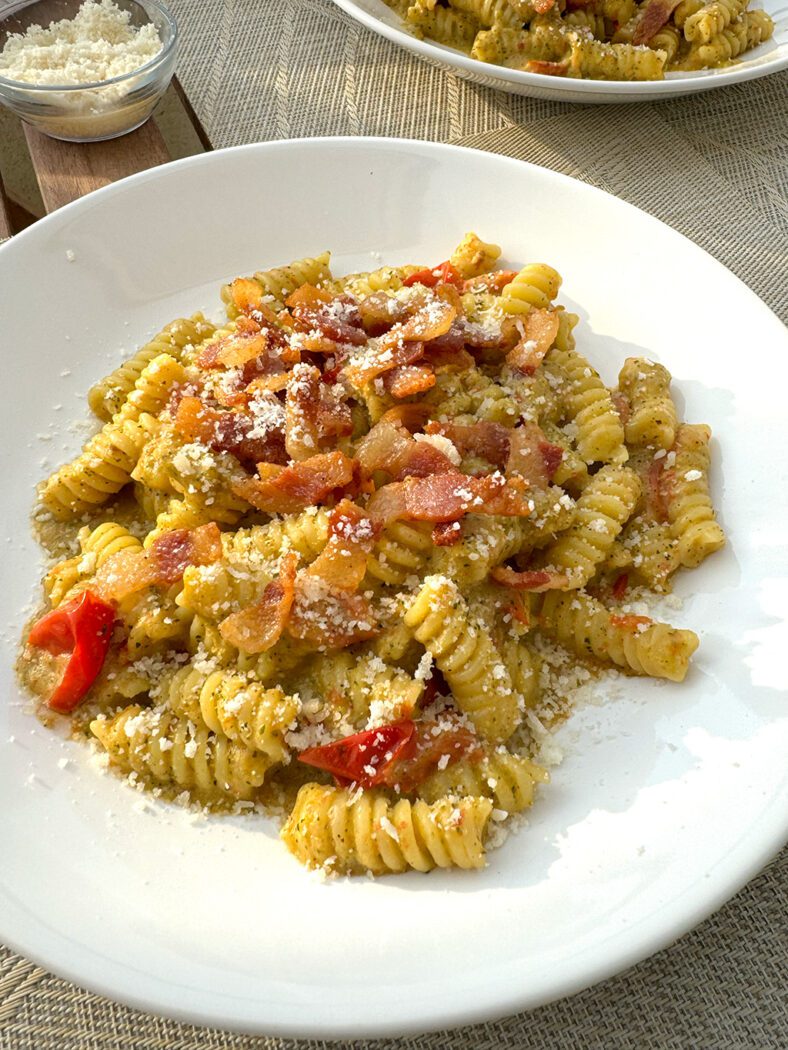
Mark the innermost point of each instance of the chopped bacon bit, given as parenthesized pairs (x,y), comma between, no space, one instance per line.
(552,456)
(494,282)
(542,6)
(259,626)
(407,380)
(448,345)
(621,405)
(488,440)
(380,311)
(290,489)
(247,296)
(169,554)
(324,325)
(412,416)
(629,622)
(382,358)
(549,69)
(532,456)
(520,609)
(659,489)
(342,564)
(308,295)
(430,742)
(301,412)
(536,580)
(390,447)
(227,432)
(448,497)
(327,618)
(655,15)
(540,329)
(447,533)
(619,588)
(207,543)
(162,564)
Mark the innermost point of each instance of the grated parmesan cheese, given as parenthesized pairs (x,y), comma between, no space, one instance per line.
(99,44)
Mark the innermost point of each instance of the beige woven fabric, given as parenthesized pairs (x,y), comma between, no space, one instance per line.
(715,167)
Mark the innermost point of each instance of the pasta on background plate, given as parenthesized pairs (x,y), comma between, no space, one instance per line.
(341,556)
(592,39)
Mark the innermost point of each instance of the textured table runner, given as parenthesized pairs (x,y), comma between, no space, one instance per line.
(715,167)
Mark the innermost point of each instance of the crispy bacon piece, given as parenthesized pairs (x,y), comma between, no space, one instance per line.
(342,564)
(548,69)
(248,341)
(490,441)
(629,622)
(407,380)
(447,533)
(655,15)
(431,741)
(388,446)
(162,564)
(412,416)
(494,282)
(404,343)
(228,432)
(619,588)
(532,456)
(382,358)
(328,618)
(540,329)
(658,488)
(542,6)
(302,404)
(621,405)
(247,296)
(308,296)
(325,324)
(448,497)
(290,489)
(259,626)
(535,580)
(380,311)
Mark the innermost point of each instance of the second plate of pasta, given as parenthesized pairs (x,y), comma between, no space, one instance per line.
(366,556)
(603,51)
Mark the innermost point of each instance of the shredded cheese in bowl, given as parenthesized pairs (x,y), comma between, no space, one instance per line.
(95,75)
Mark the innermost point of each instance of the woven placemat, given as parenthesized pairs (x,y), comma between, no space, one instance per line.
(713,166)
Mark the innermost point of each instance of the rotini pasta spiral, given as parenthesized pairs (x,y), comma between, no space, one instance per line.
(586,627)
(536,285)
(277,283)
(234,705)
(509,780)
(154,744)
(329,828)
(107,397)
(466,656)
(600,513)
(652,414)
(600,434)
(692,521)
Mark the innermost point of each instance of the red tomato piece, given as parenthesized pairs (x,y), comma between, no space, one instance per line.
(443,273)
(364,757)
(82,626)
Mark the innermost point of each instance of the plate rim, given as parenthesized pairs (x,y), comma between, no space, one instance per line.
(516,81)
(762,845)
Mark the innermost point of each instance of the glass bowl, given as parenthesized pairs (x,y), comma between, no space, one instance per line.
(95,111)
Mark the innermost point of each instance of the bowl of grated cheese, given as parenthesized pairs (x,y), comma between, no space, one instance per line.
(86,70)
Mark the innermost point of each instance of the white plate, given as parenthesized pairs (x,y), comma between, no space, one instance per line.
(668,801)
(769,57)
